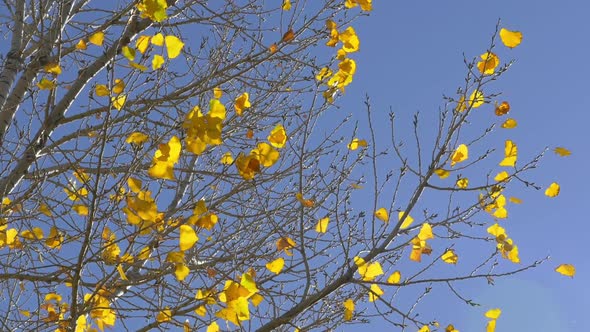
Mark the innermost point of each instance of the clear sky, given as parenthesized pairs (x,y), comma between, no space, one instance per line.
(412,53)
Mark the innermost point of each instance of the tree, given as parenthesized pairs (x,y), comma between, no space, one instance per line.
(182,164)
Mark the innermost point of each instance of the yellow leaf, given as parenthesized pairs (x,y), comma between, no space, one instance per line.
(382,215)
(128,53)
(278,136)
(266,154)
(356,143)
(424,328)
(285,243)
(493,313)
(164,159)
(509,124)
(375,292)
(81,45)
(566,269)
(121,272)
(369,271)
(213,327)
(157,61)
(322,225)
(450,257)
(349,39)
(158,39)
(53,68)
(502,109)
(46,84)
(491,326)
(366,5)
(394,278)
(462,183)
(80,209)
(407,222)
(460,155)
(142,43)
(324,73)
(515,200)
(443,174)
(181,271)
(501,176)
(303,201)
(187,238)
(425,232)
(217,92)
(248,166)
(155,10)
(510,38)
(451,328)
(563,152)
(164,315)
(97,38)
(101,90)
(227,158)
(241,103)
(476,99)
(119,86)
(348,309)
(53,297)
(552,190)
(173,46)
(25,313)
(137,66)
(118,101)
(510,154)
(137,138)
(286,5)
(489,62)
(276,266)
(43,208)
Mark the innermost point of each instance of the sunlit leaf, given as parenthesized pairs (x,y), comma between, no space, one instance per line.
(286,5)
(142,43)
(509,38)
(509,124)
(502,109)
(52,68)
(276,266)
(566,269)
(158,39)
(552,190)
(128,53)
(97,38)
(80,209)
(375,292)
(450,257)
(394,278)
(278,136)
(442,173)
(461,154)
(510,154)
(462,183)
(349,39)
(81,45)
(227,158)
(213,327)
(173,46)
(563,152)
(137,138)
(164,315)
(368,271)
(322,225)
(515,200)
(489,62)
(382,214)
(242,103)
(288,36)
(348,309)
(188,237)
(355,143)
(45,84)
(157,61)
(285,243)
(407,222)
(476,99)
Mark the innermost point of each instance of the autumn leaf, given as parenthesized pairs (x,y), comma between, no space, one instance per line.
(509,124)
(285,243)
(242,102)
(348,309)
(157,61)
(476,99)
(128,53)
(356,143)
(45,84)
(510,154)
(286,5)
(382,215)
(489,62)
(375,293)
(187,238)
(366,5)
(97,38)
(276,266)
(407,222)
(349,39)
(566,269)
(137,138)
(368,271)
(173,46)
(394,278)
(158,39)
(509,38)
(164,315)
(288,36)
(450,257)
(305,202)
(322,225)
(227,158)
(552,190)
(442,173)
(461,154)
(118,102)
(278,136)
(562,152)
(462,183)
(502,109)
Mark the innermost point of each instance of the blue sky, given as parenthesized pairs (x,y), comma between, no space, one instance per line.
(412,53)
